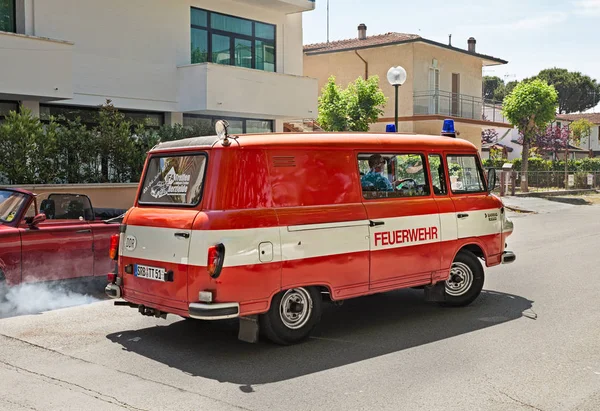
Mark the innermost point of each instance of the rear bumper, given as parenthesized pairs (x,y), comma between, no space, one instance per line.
(219,311)
(508,257)
(113,291)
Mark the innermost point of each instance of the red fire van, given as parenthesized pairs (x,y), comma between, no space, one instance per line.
(265,228)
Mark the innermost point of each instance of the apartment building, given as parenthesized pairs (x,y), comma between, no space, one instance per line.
(443,80)
(167,61)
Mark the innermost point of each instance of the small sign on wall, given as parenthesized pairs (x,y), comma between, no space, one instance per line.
(571,180)
(590,179)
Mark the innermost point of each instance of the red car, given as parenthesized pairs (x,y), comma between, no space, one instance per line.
(64,238)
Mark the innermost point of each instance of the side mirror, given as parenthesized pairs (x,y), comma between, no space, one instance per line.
(40,218)
(491,178)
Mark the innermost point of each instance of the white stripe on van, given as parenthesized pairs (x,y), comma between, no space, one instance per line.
(307,241)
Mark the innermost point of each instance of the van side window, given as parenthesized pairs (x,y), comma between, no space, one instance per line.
(466,175)
(438,176)
(385,175)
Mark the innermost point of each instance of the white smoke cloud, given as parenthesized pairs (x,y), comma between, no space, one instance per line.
(34,298)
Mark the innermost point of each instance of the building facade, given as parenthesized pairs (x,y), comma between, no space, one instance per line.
(443,81)
(167,61)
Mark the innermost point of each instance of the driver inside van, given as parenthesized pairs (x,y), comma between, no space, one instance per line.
(375,180)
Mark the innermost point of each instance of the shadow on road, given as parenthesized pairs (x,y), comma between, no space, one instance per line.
(362,328)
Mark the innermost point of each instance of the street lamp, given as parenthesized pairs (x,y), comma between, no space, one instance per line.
(396,77)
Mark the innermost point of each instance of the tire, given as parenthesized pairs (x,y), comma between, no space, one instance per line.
(465,282)
(283,324)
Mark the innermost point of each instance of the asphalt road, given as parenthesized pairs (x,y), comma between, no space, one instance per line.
(530,342)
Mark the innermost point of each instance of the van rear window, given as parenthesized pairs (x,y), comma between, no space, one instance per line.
(174,180)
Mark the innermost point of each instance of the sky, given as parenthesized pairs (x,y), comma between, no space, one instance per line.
(531,34)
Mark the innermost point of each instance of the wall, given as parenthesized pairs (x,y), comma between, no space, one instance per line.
(469,132)
(469,68)
(23,75)
(101,195)
(595,142)
(249,93)
(347,67)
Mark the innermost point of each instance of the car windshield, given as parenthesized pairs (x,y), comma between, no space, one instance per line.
(11,203)
(174,180)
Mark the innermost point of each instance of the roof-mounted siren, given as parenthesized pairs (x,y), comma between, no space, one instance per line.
(222,130)
(448,129)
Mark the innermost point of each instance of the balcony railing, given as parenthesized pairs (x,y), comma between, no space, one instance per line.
(445,103)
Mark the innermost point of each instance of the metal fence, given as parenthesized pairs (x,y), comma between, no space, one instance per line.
(543,181)
(446,103)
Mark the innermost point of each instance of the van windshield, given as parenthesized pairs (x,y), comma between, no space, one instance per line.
(174,179)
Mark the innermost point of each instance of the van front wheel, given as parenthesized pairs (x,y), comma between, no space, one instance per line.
(293,315)
(466,280)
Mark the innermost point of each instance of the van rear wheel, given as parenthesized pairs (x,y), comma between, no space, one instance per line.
(466,280)
(294,313)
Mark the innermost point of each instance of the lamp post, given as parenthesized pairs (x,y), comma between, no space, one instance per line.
(396,77)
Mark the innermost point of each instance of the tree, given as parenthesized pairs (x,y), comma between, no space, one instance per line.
(582,129)
(530,106)
(576,92)
(114,143)
(489,136)
(19,134)
(493,86)
(352,109)
(552,140)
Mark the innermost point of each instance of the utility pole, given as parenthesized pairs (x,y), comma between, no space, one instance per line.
(328,21)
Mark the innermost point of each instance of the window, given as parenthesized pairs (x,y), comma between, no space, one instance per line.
(174,180)
(223,39)
(89,115)
(438,177)
(393,175)
(466,175)
(67,207)
(8,16)
(236,125)
(7,106)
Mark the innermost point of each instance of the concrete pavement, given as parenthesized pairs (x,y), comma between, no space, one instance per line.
(530,342)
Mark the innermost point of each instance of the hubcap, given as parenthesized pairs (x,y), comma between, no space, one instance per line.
(460,281)
(295,308)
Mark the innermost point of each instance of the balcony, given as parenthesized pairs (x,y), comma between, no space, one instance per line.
(448,104)
(219,89)
(35,68)
(285,6)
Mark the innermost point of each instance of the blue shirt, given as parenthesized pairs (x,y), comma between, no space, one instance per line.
(377,181)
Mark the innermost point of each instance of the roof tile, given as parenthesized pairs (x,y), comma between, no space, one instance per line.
(380,39)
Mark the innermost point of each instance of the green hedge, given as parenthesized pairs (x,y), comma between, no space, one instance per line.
(60,150)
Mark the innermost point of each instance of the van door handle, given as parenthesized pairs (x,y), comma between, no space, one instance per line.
(462,215)
(375,223)
(89,230)
(182,235)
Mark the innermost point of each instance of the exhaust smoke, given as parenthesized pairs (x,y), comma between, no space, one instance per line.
(34,298)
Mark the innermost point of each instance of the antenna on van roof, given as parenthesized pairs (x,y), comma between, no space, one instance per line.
(221,127)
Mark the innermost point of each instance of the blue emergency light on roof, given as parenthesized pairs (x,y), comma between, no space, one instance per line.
(448,127)
(390,128)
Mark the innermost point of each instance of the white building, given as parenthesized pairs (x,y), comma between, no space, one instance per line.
(170,61)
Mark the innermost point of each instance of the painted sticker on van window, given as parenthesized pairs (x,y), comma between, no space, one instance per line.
(175,179)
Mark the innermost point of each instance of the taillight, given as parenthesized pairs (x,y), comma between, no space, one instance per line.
(114,246)
(111,277)
(216,255)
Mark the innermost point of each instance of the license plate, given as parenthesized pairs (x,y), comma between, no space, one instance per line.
(151,273)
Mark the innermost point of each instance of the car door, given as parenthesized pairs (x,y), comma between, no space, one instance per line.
(448,226)
(404,221)
(60,247)
(478,217)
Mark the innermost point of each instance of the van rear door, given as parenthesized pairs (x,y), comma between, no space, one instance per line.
(156,241)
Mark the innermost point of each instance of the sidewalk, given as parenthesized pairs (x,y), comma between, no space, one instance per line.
(534,205)
(549,204)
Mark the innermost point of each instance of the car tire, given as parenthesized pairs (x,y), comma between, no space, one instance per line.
(465,282)
(293,315)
